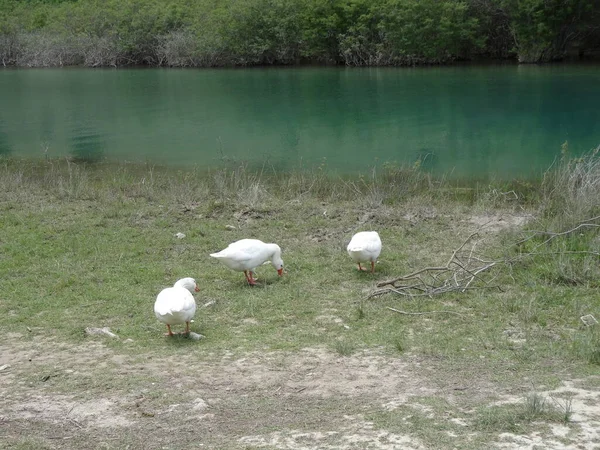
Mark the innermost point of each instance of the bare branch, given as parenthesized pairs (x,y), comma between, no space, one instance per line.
(466,270)
(424,312)
(461,270)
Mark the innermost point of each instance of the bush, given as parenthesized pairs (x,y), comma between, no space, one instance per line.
(255,32)
(571,189)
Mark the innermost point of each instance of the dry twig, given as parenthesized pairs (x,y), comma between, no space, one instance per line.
(461,270)
(424,312)
(465,268)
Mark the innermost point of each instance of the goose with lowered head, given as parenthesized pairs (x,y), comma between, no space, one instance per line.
(365,246)
(176,305)
(247,254)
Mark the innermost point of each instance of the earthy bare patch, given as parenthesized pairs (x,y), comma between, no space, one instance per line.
(497,222)
(585,404)
(62,395)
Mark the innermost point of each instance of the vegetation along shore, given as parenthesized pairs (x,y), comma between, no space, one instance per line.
(478,326)
(206,33)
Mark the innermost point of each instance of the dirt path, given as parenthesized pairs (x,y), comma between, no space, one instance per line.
(58,395)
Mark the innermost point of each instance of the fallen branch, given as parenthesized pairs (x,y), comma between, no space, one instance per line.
(466,270)
(461,270)
(424,312)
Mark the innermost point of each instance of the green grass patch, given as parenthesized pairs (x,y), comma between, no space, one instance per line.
(92,245)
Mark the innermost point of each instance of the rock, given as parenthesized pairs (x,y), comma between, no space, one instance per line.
(100,331)
(195,336)
(199,404)
(179,235)
(588,320)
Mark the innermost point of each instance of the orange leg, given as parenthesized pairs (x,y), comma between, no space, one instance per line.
(372,266)
(170,333)
(251,280)
(361,268)
(187,328)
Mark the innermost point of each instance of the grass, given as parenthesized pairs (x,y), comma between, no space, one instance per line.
(517,417)
(92,245)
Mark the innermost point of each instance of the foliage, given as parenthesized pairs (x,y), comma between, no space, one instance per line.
(429,30)
(259,32)
(543,29)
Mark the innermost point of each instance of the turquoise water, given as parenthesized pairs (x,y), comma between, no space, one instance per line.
(500,121)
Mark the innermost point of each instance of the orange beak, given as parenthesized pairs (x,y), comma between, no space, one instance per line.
(279,272)
(197,289)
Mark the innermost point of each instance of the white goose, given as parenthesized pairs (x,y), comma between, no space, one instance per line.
(245,255)
(365,246)
(176,305)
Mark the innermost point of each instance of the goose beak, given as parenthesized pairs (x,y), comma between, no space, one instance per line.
(280,272)
(197,289)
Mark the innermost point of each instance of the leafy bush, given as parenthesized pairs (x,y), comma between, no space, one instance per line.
(253,32)
(428,31)
(544,29)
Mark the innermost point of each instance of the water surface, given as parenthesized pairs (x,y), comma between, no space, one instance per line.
(501,121)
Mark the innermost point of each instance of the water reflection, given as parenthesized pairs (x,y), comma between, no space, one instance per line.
(87,145)
(5,148)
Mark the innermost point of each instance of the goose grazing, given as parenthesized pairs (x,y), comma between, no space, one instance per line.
(176,305)
(365,247)
(245,255)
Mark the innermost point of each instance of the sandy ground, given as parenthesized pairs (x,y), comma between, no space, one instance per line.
(58,395)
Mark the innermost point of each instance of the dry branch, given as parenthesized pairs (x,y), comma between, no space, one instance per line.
(423,312)
(465,269)
(462,268)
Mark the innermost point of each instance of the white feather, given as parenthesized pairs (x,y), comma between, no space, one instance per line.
(365,246)
(247,254)
(176,305)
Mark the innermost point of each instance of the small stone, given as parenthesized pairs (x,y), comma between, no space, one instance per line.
(588,320)
(99,331)
(179,235)
(195,336)
(199,404)
(229,227)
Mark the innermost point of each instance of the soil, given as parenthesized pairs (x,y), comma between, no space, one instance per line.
(89,395)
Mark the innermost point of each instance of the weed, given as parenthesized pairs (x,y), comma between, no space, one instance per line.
(565,407)
(535,405)
(516,418)
(344,348)
(569,191)
(360,311)
(594,356)
(586,345)
(399,345)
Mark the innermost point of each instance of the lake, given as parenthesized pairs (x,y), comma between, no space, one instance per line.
(475,121)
